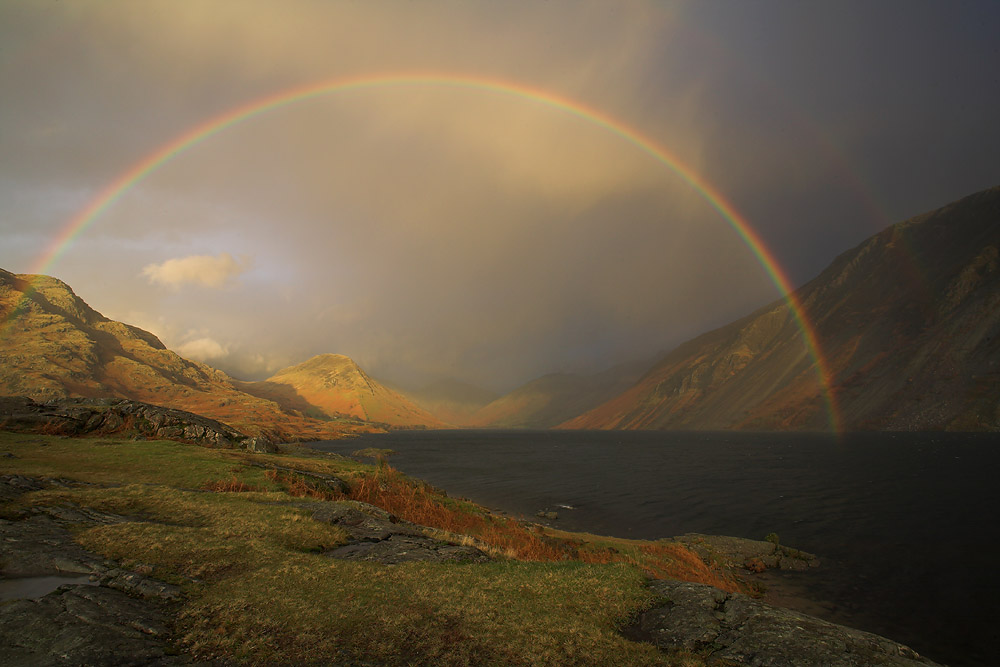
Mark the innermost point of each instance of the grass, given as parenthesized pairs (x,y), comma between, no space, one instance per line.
(258,590)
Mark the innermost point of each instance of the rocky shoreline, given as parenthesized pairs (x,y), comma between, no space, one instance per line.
(124,616)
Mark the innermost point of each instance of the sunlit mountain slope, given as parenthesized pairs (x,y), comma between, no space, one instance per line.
(58,346)
(338,387)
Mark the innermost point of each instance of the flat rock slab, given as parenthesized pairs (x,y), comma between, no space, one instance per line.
(83,625)
(734,629)
(116,619)
(405,549)
(364,522)
(378,536)
(39,545)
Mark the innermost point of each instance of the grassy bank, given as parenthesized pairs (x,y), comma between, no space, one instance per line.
(239,539)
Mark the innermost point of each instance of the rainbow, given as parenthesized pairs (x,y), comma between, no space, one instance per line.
(114,191)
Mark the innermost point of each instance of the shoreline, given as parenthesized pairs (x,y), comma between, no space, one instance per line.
(93,524)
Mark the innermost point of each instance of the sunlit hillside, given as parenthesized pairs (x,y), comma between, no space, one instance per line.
(53,345)
(335,386)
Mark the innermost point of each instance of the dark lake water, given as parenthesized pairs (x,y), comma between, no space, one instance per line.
(907,525)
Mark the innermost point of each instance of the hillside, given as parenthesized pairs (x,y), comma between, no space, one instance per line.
(554,398)
(334,386)
(53,345)
(908,321)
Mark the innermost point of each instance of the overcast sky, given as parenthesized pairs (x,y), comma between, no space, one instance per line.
(437,232)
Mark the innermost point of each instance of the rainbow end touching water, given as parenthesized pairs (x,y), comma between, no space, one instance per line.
(112,192)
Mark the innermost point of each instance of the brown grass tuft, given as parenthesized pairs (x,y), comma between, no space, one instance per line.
(232,485)
(299,487)
(414,501)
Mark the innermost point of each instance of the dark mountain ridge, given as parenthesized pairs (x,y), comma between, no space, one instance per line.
(908,324)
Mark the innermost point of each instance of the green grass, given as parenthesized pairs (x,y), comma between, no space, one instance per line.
(259,592)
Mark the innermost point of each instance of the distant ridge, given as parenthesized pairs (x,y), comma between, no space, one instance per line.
(909,322)
(554,398)
(451,401)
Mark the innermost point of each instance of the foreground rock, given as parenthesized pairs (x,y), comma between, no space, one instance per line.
(378,536)
(83,625)
(122,418)
(117,617)
(735,629)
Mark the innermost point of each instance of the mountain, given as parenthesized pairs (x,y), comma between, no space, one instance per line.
(335,386)
(451,401)
(908,322)
(554,398)
(53,346)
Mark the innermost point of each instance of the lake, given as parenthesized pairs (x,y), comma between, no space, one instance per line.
(907,525)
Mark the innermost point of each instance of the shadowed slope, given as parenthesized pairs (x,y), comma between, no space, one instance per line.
(551,399)
(451,401)
(909,321)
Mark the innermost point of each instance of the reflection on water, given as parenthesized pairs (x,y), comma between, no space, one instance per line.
(905,524)
(32,588)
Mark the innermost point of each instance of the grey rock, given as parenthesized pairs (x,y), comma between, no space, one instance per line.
(39,545)
(734,629)
(119,621)
(364,522)
(378,536)
(12,486)
(406,549)
(259,445)
(84,625)
(138,585)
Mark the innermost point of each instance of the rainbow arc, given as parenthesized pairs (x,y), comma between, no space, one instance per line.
(244,113)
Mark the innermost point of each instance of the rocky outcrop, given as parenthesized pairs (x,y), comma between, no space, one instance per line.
(113,616)
(378,536)
(121,417)
(736,553)
(734,629)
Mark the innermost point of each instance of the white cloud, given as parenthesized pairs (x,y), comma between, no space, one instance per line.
(203,349)
(204,270)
